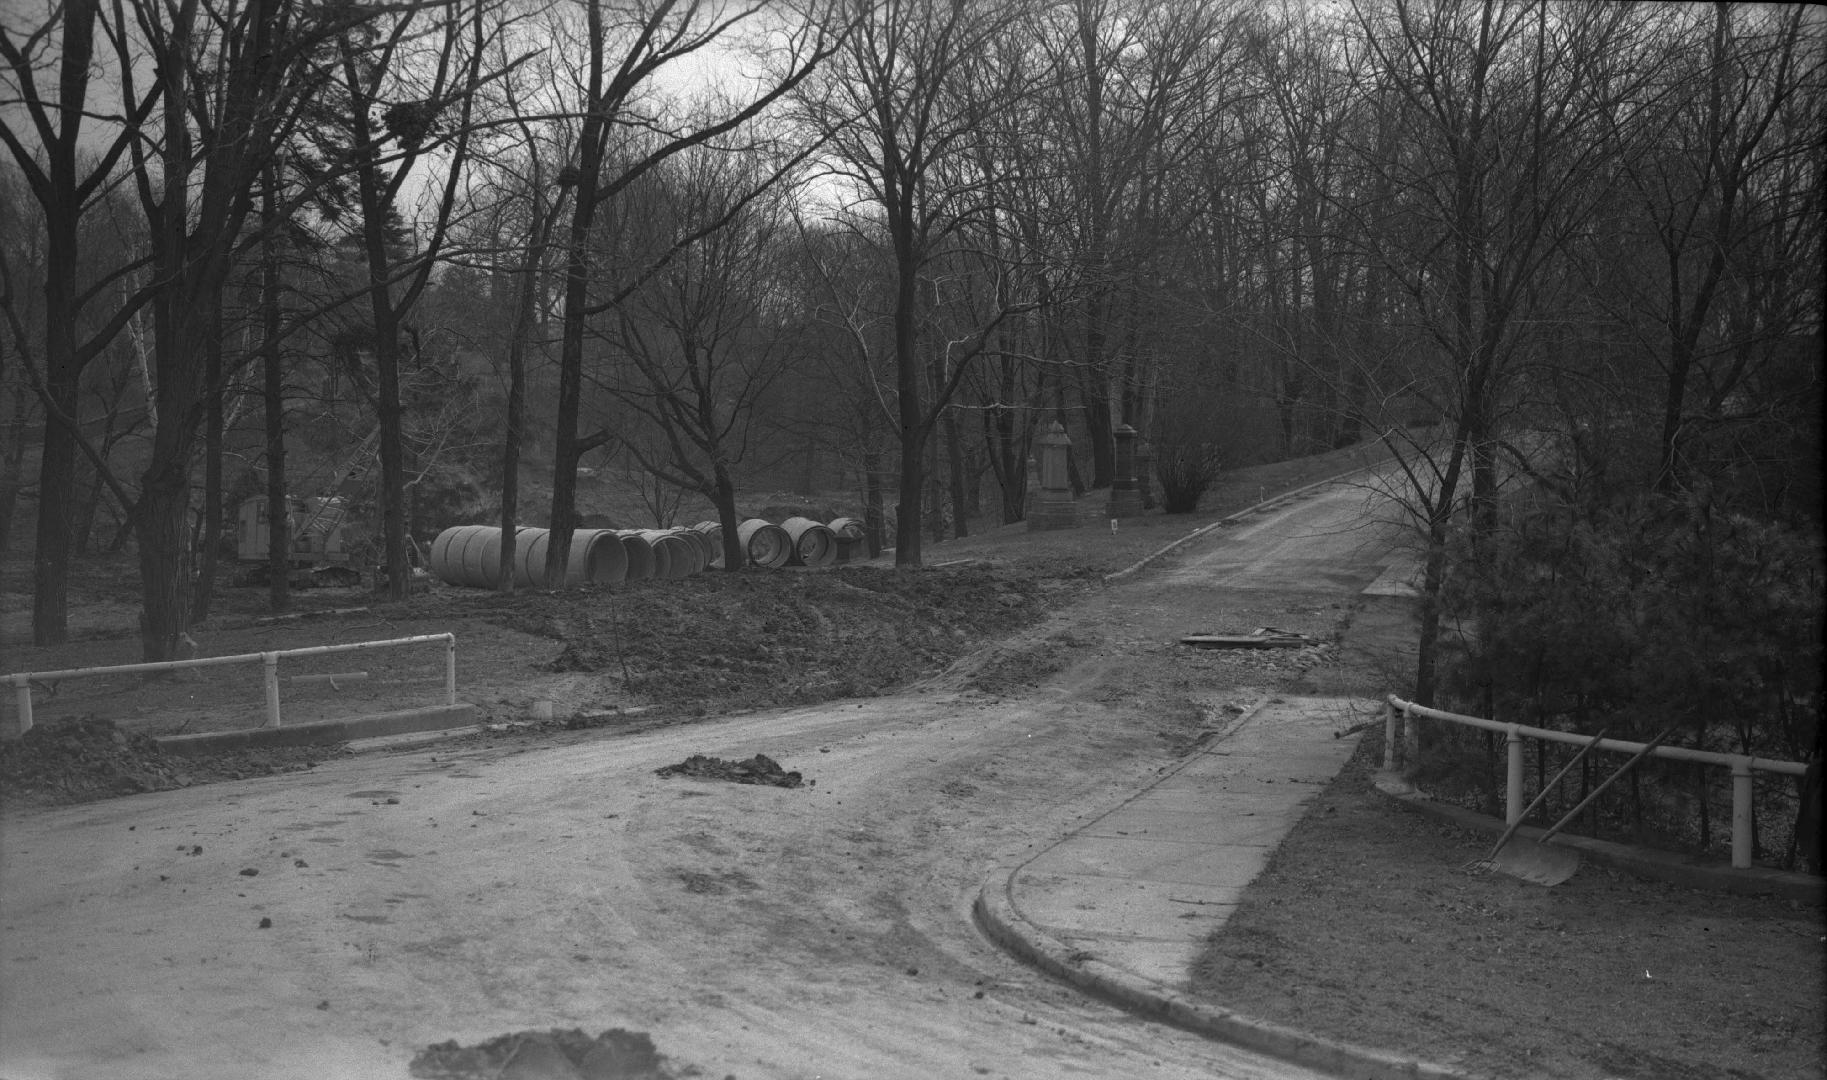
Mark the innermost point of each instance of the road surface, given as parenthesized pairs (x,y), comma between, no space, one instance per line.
(333,924)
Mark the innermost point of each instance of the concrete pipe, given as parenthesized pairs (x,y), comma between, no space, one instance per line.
(674,556)
(813,544)
(713,535)
(767,544)
(596,555)
(471,555)
(693,543)
(639,553)
(441,555)
(850,533)
(706,553)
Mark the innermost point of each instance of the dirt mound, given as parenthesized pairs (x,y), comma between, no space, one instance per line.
(91,758)
(757,640)
(85,758)
(760,769)
(558,1054)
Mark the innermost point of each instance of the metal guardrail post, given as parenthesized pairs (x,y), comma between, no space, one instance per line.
(1389,736)
(1513,777)
(22,693)
(271,662)
(1741,813)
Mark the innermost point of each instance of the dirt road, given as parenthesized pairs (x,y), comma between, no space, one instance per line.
(335,923)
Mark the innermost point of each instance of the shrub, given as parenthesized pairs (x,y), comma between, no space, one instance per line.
(1185,470)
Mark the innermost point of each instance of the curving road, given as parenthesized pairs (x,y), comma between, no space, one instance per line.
(459,891)
(1345,537)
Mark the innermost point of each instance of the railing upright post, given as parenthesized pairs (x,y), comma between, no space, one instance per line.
(450,670)
(1389,736)
(1741,813)
(1513,777)
(22,693)
(270,660)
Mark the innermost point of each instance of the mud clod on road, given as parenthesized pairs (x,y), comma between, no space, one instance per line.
(760,769)
(558,1054)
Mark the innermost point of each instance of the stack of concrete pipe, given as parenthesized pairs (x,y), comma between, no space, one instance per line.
(471,555)
(813,544)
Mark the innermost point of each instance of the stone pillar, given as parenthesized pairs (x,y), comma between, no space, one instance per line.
(1053,507)
(1125,499)
(1145,473)
(1032,495)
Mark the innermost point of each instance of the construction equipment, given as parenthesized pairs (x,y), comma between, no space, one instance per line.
(325,547)
(320,550)
(1546,864)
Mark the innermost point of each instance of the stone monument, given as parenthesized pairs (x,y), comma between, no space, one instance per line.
(1052,508)
(1125,497)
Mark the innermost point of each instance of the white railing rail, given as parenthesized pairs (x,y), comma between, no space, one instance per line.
(1742,765)
(22,681)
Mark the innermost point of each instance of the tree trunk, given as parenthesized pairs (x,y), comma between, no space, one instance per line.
(1098,426)
(57,463)
(954,452)
(214,390)
(11,471)
(279,539)
(734,557)
(875,522)
(908,375)
(566,446)
(525,306)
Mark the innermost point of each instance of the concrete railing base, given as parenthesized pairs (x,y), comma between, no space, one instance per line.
(322,732)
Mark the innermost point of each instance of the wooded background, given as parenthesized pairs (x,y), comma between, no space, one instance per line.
(1563,258)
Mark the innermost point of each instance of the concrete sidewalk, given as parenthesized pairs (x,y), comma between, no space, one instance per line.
(1122,907)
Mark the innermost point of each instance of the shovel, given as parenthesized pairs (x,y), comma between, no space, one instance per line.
(1535,860)
(1489,862)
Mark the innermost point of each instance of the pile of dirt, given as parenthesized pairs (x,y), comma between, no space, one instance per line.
(760,769)
(90,758)
(558,1054)
(758,641)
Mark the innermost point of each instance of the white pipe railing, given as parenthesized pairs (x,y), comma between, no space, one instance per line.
(1741,765)
(22,681)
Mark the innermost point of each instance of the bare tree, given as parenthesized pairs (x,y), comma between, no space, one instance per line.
(421,104)
(911,91)
(1494,144)
(67,151)
(623,49)
(707,336)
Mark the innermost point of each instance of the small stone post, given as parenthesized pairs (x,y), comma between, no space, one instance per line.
(1125,499)
(1053,507)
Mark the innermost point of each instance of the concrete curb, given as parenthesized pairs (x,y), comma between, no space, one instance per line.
(1667,866)
(1239,515)
(322,732)
(997,916)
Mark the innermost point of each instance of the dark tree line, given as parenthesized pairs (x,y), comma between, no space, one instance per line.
(1570,246)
